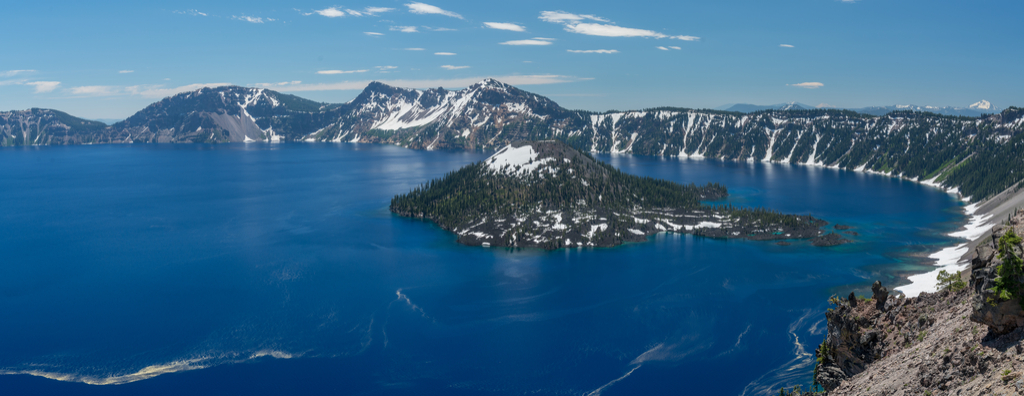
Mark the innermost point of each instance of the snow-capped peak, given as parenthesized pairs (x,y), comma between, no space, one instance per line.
(982,105)
(512,160)
(488,81)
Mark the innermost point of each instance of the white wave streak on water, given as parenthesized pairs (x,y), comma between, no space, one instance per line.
(597,392)
(660,352)
(738,341)
(405,298)
(145,373)
(154,370)
(790,373)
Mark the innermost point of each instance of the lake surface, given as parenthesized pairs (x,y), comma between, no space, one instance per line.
(277,269)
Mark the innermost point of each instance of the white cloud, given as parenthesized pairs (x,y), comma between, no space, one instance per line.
(330,12)
(450,67)
(421,8)
(277,85)
(441,29)
(191,12)
(149,91)
(599,29)
(96,90)
(12,73)
(537,79)
(505,26)
(335,12)
(575,23)
(671,47)
(533,41)
(125,71)
(44,86)
(158,91)
(445,53)
(414,49)
(808,85)
(662,48)
(404,29)
(249,19)
(373,34)
(785,46)
(565,17)
(340,71)
(386,67)
(675,48)
(597,51)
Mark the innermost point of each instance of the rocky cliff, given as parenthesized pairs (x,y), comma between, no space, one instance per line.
(953,342)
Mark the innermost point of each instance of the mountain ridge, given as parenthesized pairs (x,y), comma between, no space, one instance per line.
(976,109)
(952,152)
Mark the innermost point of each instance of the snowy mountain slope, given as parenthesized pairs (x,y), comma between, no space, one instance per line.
(470,118)
(46,127)
(982,105)
(222,114)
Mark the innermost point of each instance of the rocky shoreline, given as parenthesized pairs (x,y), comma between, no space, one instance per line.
(963,340)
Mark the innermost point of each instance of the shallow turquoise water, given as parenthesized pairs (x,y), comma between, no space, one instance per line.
(269,269)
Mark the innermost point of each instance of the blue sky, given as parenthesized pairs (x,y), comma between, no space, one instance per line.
(111,59)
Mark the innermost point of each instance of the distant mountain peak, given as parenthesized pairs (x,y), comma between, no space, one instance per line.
(982,105)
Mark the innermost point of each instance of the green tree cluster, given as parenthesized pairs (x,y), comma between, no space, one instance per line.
(1008,284)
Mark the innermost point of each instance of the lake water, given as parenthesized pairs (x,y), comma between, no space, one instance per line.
(277,269)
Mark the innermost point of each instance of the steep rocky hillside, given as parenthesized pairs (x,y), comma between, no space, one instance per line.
(46,127)
(953,342)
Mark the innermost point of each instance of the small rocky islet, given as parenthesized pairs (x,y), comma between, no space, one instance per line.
(547,194)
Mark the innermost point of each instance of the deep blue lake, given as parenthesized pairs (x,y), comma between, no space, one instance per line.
(277,269)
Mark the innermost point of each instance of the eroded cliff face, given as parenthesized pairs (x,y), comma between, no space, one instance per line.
(965,342)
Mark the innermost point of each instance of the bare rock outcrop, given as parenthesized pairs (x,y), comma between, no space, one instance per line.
(999,314)
(960,341)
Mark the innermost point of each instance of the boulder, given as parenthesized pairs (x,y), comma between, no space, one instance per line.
(879,294)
